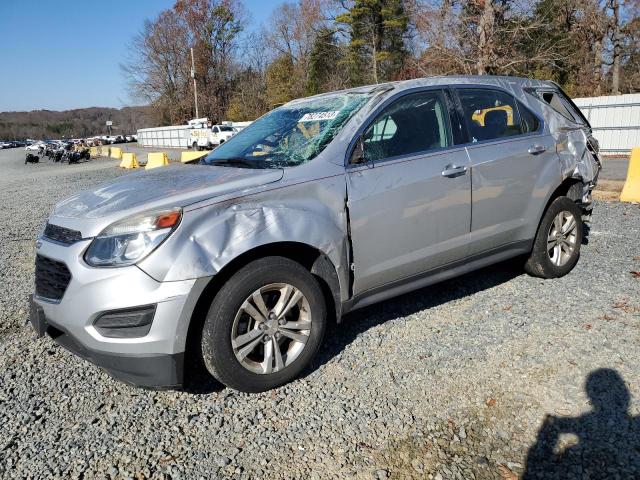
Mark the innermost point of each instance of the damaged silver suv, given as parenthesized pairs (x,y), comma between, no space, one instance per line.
(324,205)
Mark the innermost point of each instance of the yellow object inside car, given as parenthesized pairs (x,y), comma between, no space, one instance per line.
(479,115)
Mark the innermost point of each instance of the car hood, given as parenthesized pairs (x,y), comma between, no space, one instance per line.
(172,186)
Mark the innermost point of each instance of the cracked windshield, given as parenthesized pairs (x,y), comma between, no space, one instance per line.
(289,135)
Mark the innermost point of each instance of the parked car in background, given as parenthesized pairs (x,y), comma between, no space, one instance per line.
(34,147)
(323,206)
(112,139)
(207,138)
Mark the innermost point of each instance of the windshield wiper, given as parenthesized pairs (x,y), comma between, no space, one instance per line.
(238,162)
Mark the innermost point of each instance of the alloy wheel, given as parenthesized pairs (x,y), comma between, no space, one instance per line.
(562,238)
(271,328)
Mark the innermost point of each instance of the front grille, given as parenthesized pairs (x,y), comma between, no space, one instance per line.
(52,278)
(61,234)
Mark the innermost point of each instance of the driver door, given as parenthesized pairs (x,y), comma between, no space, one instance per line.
(410,198)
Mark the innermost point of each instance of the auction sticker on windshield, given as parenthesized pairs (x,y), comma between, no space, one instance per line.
(318,116)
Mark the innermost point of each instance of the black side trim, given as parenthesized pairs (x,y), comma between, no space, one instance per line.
(126,322)
(438,274)
(157,371)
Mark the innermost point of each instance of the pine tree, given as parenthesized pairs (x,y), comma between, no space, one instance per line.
(280,81)
(323,61)
(377,40)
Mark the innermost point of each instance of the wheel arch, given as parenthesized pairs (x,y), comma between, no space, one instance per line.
(310,257)
(570,187)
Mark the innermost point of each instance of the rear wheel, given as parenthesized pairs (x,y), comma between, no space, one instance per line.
(194,145)
(264,326)
(556,248)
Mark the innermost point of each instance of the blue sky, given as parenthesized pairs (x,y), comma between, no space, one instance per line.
(62,54)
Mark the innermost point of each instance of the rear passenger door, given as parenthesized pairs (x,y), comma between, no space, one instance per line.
(513,165)
(409,193)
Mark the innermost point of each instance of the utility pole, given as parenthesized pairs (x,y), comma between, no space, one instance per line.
(195,88)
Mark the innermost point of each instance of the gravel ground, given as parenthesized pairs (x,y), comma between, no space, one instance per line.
(462,380)
(614,168)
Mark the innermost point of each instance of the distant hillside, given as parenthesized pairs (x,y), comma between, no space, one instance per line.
(82,122)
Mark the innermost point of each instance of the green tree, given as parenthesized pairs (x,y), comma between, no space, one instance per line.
(576,30)
(323,61)
(377,30)
(280,81)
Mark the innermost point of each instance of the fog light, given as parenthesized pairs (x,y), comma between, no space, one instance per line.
(126,323)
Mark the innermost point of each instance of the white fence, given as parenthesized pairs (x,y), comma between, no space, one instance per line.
(178,136)
(615,121)
(169,137)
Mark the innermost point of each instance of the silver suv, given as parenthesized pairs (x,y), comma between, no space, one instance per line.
(322,206)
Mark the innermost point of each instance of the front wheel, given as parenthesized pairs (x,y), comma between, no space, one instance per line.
(556,248)
(264,326)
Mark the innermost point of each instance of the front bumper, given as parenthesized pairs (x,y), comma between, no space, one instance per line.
(161,371)
(152,360)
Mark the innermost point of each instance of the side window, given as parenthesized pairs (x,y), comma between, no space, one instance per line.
(413,124)
(530,122)
(560,104)
(490,114)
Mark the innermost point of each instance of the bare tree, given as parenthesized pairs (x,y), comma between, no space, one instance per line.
(157,70)
(213,30)
(310,46)
(486,48)
(291,33)
(614,5)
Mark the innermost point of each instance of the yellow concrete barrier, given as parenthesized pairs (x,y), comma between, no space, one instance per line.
(116,153)
(186,157)
(631,189)
(93,152)
(156,159)
(129,160)
(104,151)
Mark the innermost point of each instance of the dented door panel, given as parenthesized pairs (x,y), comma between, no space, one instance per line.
(407,218)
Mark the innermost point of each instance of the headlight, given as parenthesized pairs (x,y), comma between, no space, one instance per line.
(130,240)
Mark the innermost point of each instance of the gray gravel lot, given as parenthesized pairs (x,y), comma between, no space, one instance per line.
(614,168)
(450,382)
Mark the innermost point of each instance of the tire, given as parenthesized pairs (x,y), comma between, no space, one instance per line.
(545,260)
(194,145)
(268,278)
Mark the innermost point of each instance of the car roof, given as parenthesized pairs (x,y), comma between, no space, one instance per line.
(506,82)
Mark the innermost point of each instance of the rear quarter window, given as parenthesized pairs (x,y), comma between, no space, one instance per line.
(559,102)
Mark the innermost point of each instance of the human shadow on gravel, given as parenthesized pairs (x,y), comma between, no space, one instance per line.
(337,337)
(608,438)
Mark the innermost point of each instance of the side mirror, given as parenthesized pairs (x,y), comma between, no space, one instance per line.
(357,156)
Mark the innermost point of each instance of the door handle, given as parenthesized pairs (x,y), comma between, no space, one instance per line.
(537,149)
(453,171)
